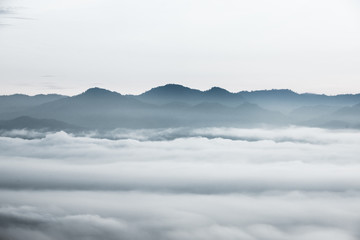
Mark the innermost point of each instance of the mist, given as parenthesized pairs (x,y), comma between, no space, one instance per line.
(179,120)
(205,183)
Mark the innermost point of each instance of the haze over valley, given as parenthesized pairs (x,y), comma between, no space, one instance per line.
(176,106)
(179,163)
(179,120)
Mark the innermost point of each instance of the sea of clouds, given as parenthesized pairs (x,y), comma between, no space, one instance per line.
(178,184)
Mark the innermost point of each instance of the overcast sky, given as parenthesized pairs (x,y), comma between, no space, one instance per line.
(67,46)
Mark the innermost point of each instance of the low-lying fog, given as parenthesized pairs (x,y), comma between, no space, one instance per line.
(178,184)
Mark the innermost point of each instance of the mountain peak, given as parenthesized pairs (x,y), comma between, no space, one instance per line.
(99,92)
(171,90)
(173,87)
(217,91)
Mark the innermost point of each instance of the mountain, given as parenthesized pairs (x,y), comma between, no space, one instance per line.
(25,122)
(210,114)
(310,112)
(285,100)
(345,117)
(178,93)
(94,98)
(353,111)
(99,108)
(172,91)
(99,93)
(18,102)
(94,108)
(174,105)
(349,115)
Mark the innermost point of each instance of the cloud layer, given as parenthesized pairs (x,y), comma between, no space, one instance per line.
(295,183)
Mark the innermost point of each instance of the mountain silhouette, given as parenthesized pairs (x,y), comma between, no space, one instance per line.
(218,92)
(99,93)
(286,100)
(174,105)
(346,116)
(171,91)
(18,102)
(25,122)
(94,108)
(175,93)
(306,113)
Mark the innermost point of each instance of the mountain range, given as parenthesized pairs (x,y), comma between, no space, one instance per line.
(175,105)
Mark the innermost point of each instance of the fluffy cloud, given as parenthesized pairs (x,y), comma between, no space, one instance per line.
(139,215)
(294,183)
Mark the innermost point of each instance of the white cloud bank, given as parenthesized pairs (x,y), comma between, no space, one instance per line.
(295,183)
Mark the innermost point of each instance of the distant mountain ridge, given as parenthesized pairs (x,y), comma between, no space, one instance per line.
(174,105)
(25,122)
(284,100)
(174,92)
(16,102)
(95,91)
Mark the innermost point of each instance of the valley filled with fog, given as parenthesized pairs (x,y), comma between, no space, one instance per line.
(177,163)
(180,183)
(179,120)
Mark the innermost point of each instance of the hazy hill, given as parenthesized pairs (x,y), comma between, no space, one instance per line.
(100,108)
(25,122)
(178,106)
(94,108)
(306,113)
(93,99)
(283,100)
(19,102)
(348,116)
(178,93)
(345,117)
(353,111)
(286,100)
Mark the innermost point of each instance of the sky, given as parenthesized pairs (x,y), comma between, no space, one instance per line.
(67,46)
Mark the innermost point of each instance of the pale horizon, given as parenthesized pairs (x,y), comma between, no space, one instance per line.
(132,46)
(74,92)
